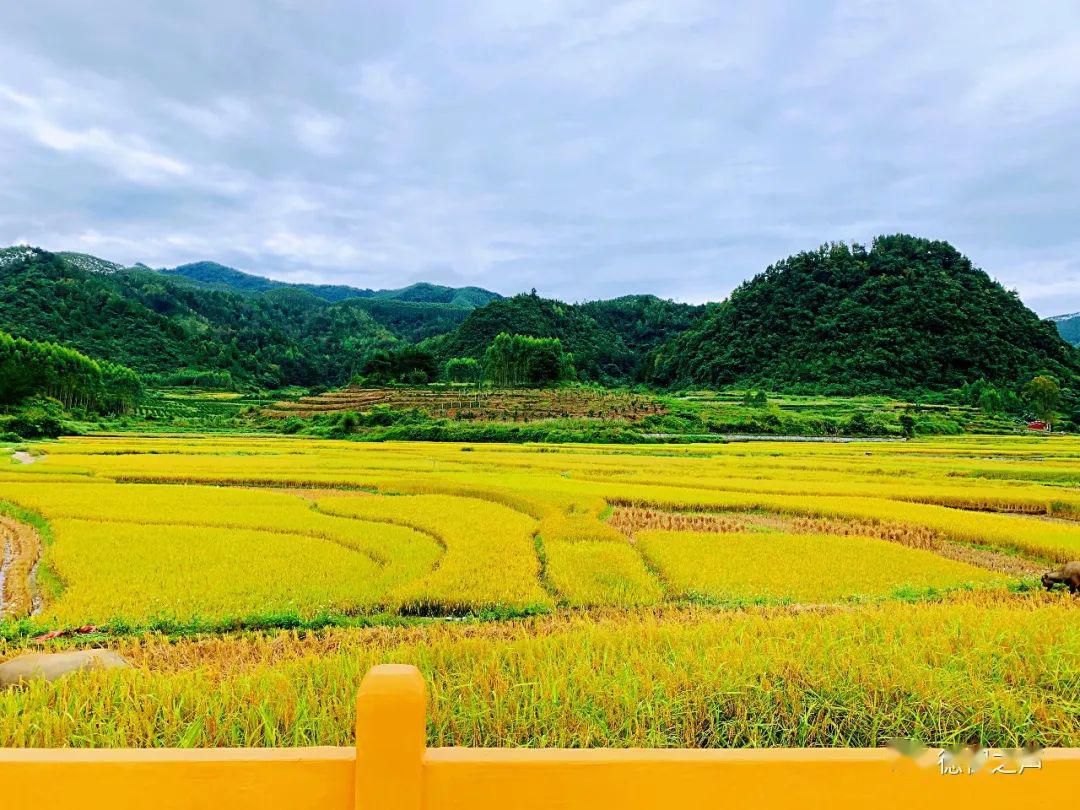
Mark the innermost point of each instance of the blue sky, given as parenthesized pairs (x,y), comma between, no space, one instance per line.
(585,149)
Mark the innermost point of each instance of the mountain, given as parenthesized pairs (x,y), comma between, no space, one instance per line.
(218,276)
(172,328)
(424,293)
(1068,327)
(609,339)
(906,315)
(903,316)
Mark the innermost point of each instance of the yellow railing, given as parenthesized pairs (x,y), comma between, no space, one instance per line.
(392,769)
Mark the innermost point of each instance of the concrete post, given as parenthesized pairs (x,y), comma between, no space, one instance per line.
(391,737)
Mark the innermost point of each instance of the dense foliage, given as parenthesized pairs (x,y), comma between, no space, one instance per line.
(908,314)
(412,320)
(29,368)
(221,277)
(608,339)
(407,364)
(514,361)
(157,325)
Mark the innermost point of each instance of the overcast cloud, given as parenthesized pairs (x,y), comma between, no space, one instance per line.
(585,149)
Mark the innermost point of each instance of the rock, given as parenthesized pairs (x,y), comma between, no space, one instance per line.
(51,666)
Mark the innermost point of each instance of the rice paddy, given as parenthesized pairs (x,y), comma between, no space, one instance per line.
(759,593)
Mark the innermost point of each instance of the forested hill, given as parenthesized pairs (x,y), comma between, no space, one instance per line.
(218,276)
(908,314)
(608,339)
(1068,327)
(210,324)
(157,325)
(903,316)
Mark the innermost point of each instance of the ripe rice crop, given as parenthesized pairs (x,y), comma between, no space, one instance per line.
(517,405)
(489,561)
(511,528)
(981,668)
(132,571)
(774,566)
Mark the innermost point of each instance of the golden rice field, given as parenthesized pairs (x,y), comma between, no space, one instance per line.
(760,593)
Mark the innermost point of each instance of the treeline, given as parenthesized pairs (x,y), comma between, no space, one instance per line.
(30,368)
(904,317)
(609,340)
(511,361)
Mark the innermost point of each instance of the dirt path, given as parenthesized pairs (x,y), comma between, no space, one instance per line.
(23,457)
(20,551)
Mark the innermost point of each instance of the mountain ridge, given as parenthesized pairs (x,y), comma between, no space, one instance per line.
(1068,327)
(220,276)
(905,315)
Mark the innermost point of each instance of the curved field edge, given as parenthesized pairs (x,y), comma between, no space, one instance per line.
(574,558)
(583,557)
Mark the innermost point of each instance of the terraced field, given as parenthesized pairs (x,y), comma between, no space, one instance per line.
(514,405)
(220,565)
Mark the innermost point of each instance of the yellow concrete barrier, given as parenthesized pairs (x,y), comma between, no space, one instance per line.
(391,769)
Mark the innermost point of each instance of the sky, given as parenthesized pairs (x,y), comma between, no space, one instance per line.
(585,149)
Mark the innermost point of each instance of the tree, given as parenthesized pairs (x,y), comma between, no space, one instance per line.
(1043,394)
(521,360)
(408,364)
(463,370)
(990,401)
(905,316)
(907,425)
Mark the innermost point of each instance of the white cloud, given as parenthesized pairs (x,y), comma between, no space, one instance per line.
(384,84)
(588,148)
(319,133)
(128,155)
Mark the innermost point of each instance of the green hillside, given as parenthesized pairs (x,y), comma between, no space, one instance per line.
(609,339)
(908,314)
(158,325)
(410,313)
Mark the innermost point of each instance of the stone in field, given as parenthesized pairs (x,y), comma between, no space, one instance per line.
(51,666)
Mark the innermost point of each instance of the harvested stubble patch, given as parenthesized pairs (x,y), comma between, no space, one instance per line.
(979,668)
(924,538)
(633,519)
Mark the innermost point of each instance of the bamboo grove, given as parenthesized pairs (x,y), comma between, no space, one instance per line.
(77,381)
